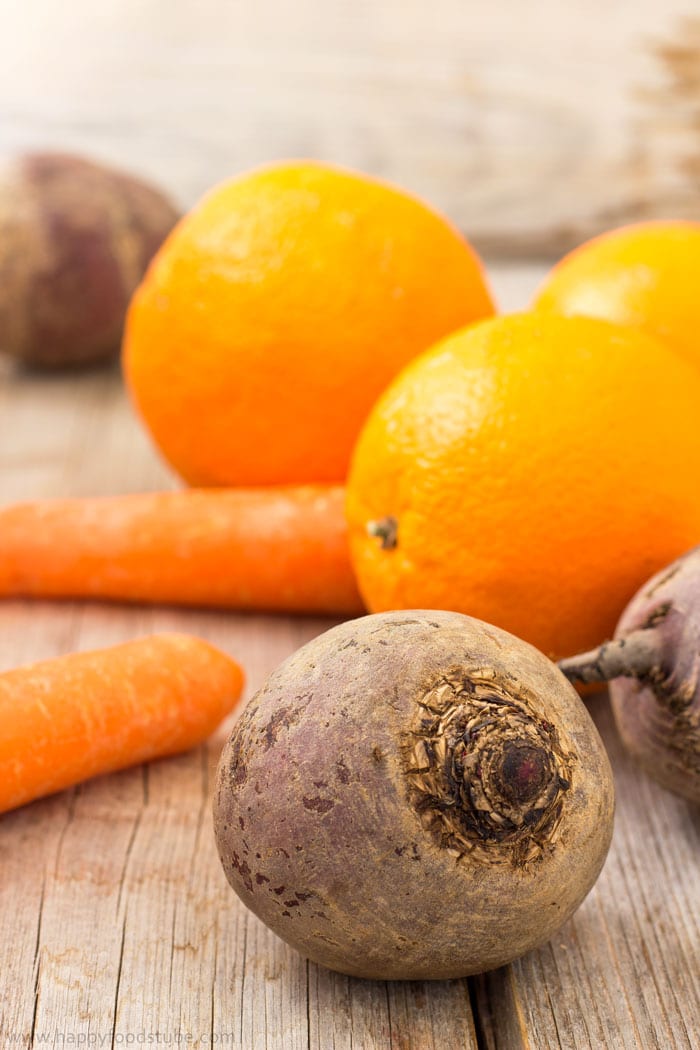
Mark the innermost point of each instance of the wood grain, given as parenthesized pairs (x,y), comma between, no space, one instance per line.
(117,921)
(532,131)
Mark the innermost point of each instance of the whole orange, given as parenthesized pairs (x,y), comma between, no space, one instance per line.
(531,471)
(644,275)
(277,312)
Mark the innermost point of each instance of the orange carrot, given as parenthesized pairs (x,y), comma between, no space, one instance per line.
(276,549)
(68,719)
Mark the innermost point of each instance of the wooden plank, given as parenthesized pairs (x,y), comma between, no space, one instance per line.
(531,132)
(416,1015)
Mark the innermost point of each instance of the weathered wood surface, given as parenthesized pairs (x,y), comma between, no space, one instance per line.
(117,922)
(533,127)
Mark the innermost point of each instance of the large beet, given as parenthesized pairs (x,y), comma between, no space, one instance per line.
(414,795)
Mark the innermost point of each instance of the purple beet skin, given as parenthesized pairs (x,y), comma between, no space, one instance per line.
(414,795)
(653,666)
(75,240)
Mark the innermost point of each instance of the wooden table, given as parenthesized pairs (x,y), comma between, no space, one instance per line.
(532,133)
(119,928)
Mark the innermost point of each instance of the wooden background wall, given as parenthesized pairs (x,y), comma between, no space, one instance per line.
(533,124)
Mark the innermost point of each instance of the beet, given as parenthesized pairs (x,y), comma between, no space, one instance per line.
(653,666)
(75,240)
(414,795)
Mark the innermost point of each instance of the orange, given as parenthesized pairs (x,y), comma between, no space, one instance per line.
(532,471)
(644,275)
(277,312)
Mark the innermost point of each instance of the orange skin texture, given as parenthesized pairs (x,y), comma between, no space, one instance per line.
(275,549)
(539,468)
(85,714)
(276,313)
(645,275)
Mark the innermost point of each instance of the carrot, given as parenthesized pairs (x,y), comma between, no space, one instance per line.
(276,549)
(68,719)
